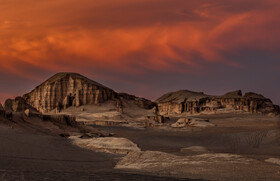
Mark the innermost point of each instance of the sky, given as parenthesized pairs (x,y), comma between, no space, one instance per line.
(143,47)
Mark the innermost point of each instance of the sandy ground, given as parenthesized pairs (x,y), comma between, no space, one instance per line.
(31,156)
(238,147)
(107,114)
(212,166)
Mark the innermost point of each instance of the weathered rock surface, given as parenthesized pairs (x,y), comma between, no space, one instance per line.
(192,122)
(67,89)
(141,102)
(197,102)
(2,111)
(64,90)
(17,105)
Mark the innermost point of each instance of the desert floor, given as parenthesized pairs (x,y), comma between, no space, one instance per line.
(239,147)
(34,156)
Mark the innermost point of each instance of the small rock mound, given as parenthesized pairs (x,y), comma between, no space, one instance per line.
(192,122)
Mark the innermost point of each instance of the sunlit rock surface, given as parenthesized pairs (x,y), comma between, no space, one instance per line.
(64,90)
(185,101)
(67,89)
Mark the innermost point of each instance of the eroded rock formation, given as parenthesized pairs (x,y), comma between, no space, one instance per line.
(192,122)
(2,111)
(197,102)
(64,90)
(17,105)
(67,89)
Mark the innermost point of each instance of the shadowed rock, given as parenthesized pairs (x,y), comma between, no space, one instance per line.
(141,102)
(237,94)
(19,105)
(2,111)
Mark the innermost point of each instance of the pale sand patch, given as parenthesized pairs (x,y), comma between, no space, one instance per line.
(107,144)
(194,149)
(208,166)
(273,160)
(154,160)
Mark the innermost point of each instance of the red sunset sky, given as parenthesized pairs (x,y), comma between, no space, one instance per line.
(143,47)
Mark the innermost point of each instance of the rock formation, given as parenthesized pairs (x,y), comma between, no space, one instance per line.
(192,122)
(2,111)
(18,105)
(141,102)
(61,119)
(64,90)
(119,106)
(197,102)
(67,89)
(21,115)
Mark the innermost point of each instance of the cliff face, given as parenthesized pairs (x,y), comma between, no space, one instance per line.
(197,102)
(67,89)
(64,90)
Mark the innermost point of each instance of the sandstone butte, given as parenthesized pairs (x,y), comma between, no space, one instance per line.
(64,90)
(185,101)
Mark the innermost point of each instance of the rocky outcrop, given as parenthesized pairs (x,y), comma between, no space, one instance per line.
(141,102)
(18,105)
(156,118)
(197,102)
(64,90)
(67,89)
(119,106)
(192,122)
(2,111)
(61,119)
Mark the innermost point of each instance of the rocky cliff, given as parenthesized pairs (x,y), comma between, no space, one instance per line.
(198,102)
(67,89)
(64,90)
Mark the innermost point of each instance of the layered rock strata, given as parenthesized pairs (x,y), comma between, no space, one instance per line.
(67,89)
(197,102)
(64,90)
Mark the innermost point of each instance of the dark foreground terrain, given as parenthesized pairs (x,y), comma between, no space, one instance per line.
(34,156)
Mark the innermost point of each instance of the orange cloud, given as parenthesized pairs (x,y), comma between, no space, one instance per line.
(132,36)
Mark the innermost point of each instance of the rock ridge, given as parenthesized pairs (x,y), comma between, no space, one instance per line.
(67,89)
(185,101)
(64,90)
